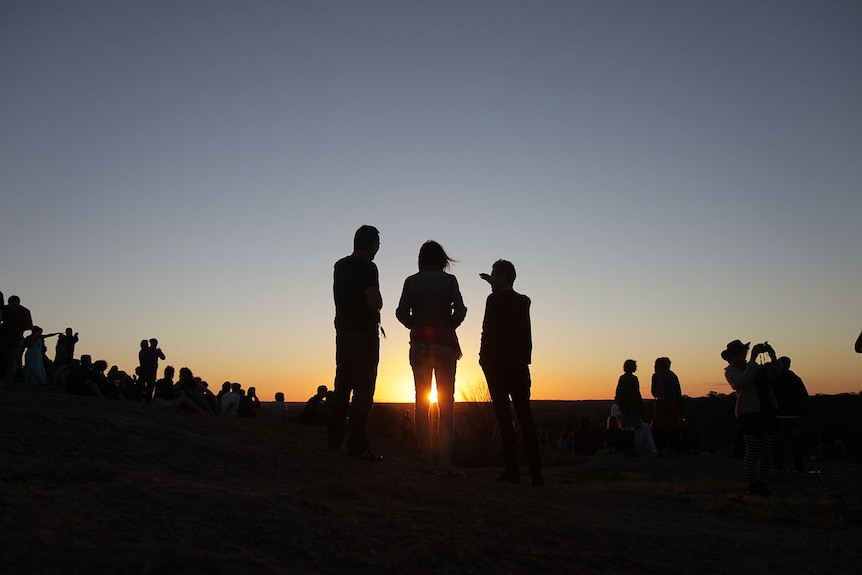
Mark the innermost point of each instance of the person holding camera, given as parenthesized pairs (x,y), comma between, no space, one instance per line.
(755,407)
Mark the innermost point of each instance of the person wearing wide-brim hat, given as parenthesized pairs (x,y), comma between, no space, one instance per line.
(755,407)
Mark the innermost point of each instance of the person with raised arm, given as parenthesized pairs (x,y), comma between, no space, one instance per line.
(505,355)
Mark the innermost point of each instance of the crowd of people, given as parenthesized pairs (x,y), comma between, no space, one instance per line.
(24,357)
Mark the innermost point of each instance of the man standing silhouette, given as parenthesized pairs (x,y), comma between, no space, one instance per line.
(64,352)
(356,290)
(16,320)
(149,357)
(505,355)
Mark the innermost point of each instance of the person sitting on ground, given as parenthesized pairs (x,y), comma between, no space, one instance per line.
(248,404)
(225,388)
(278,409)
(314,412)
(127,386)
(109,389)
(78,380)
(61,373)
(612,437)
(585,440)
(208,396)
(829,449)
(230,400)
(169,394)
(190,387)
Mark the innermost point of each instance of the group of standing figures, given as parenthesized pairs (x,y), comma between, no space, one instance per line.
(432,308)
(667,423)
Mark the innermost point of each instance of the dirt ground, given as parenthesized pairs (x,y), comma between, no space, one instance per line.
(94,486)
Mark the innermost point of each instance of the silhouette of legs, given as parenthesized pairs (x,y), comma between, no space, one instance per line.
(441,362)
(514,381)
(356,359)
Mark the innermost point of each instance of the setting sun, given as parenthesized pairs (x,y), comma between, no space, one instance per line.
(432,397)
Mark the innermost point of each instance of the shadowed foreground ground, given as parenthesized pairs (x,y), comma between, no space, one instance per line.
(93,486)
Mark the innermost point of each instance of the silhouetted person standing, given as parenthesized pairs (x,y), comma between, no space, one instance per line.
(16,320)
(356,290)
(505,354)
(149,357)
(628,399)
(755,408)
(667,421)
(432,308)
(791,394)
(34,356)
(64,352)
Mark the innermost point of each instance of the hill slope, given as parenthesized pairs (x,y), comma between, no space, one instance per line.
(94,486)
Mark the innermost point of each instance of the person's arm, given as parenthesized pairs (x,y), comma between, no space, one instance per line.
(373,298)
(741,378)
(459,310)
(402,312)
(774,368)
(656,386)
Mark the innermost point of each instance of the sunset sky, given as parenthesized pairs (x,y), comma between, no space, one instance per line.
(665,176)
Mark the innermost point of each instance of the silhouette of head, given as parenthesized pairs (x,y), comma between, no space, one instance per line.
(154,342)
(630,366)
(14,300)
(279,396)
(169,372)
(505,269)
(734,349)
(321,390)
(662,363)
(785,361)
(366,239)
(432,254)
(143,343)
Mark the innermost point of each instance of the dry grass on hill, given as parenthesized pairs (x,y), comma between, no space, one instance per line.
(93,486)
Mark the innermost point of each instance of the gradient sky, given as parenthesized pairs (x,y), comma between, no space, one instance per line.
(665,176)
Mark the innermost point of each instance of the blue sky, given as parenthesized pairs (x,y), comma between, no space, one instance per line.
(666,177)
